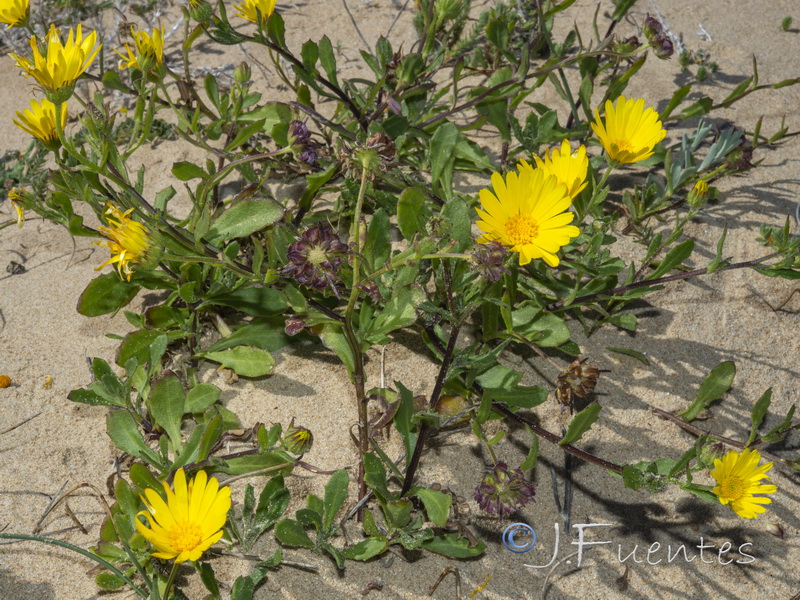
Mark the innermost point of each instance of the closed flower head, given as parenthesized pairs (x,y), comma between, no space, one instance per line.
(528,213)
(147,52)
(57,65)
(503,491)
(128,240)
(568,167)
(630,131)
(191,519)
(40,121)
(738,479)
(249,10)
(14,13)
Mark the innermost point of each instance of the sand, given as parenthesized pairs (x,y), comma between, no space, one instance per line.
(685,330)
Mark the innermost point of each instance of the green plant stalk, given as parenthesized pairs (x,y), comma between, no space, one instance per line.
(79,550)
(171,579)
(572,105)
(352,340)
(651,282)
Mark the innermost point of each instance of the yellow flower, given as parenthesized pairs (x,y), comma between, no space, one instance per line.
(630,132)
(527,212)
(128,240)
(16,202)
(57,67)
(569,167)
(149,50)
(40,121)
(14,13)
(191,519)
(247,9)
(738,477)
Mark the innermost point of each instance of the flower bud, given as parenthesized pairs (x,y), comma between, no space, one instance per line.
(699,194)
(242,73)
(297,440)
(200,11)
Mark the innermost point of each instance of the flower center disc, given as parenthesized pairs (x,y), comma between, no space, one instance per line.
(317,256)
(185,536)
(521,229)
(623,146)
(732,488)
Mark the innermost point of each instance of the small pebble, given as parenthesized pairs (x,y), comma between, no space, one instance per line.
(5,381)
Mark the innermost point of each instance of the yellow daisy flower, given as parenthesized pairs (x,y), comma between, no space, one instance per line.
(14,13)
(247,9)
(630,131)
(128,240)
(58,65)
(191,519)
(527,212)
(40,121)
(16,202)
(569,167)
(149,50)
(738,477)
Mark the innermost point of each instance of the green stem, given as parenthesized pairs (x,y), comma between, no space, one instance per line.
(352,340)
(572,105)
(170,580)
(79,550)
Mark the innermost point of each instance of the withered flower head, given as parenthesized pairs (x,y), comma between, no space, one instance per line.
(659,39)
(315,258)
(300,138)
(293,326)
(488,260)
(578,379)
(741,157)
(502,491)
(375,155)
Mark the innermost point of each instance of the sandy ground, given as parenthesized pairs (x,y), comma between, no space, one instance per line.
(685,331)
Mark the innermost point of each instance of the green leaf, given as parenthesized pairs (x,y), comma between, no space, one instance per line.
(714,385)
(258,462)
(167,405)
(450,544)
(628,352)
(109,581)
(375,476)
(334,339)
(209,579)
(402,418)
(290,533)
(272,503)
(245,133)
(93,398)
(254,301)
(457,214)
(580,424)
(185,171)
(366,549)
(543,328)
(442,148)
(398,313)
(200,397)
(244,360)
(701,491)
(632,476)
(437,504)
(378,244)
(144,479)
(621,8)
(686,457)
(776,433)
(674,257)
(700,107)
(124,432)
(106,294)
(677,98)
(243,219)
(137,345)
(335,495)
(758,413)
(327,58)
(533,454)
(412,212)
(211,436)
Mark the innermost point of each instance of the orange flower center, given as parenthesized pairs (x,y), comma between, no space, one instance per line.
(185,536)
(522,229)
(731,488)
(624,146)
